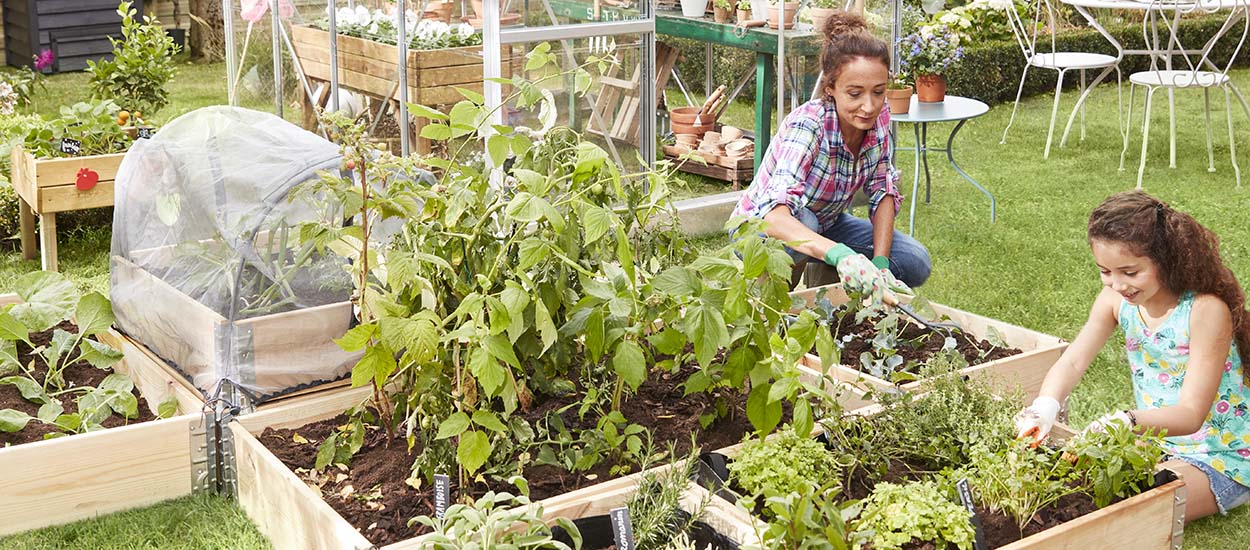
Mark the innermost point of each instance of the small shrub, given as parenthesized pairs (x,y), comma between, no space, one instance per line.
(141,67)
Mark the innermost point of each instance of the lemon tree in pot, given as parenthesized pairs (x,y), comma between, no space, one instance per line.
(928,54)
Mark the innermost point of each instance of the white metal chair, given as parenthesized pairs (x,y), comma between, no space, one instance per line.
(1201,73)
(1039,14)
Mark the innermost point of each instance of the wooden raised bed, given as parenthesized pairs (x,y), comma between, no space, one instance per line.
(279,348)
(81,476)
(1024,371)
(47,186)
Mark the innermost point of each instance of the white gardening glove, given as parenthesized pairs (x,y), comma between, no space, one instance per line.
(1100,425)
(1035,421)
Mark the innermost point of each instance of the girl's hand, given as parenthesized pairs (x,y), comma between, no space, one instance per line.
(1035,421)
(1100,425)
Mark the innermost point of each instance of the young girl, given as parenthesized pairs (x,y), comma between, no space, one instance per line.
(827,150)
(1186,330)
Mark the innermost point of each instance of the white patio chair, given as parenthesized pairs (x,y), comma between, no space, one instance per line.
(1039,14)
(1190,73)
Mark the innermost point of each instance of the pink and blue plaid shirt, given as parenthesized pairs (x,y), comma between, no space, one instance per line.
(808,166)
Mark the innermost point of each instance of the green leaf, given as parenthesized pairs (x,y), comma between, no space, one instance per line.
(803,421)
(630,364)
(489,420)
(471,95)
(705,326)
(117,382)
(527,207)
(418,110)
(49,298)
(590,158)
(533,250)
(763,414)
(48,412)
(488,372)
(13,421)
(30,390)
(357,337)
(497,147)
(465,117)
(531,181)
(500,348)
(455,425)
(8,357)
(829,352)
(436,132)
(374,366)
(597,220)
(94,314)
(473,451)
(595,333)
(754,257)
(546,327)
(168,407)
(101,356)
(13,330)
(325,453)
(625,253)
(669,341)
(676,281)
(125,404)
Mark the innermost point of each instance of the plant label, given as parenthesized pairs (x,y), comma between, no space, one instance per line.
(86,179)
(622,528)
(146,132)
(965,496)
(442,494)
(70,146)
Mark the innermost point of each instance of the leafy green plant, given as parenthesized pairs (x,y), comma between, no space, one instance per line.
(655,508)
(93,125)
(723,4)
(917,512)
(744,5)
(782,464)
(496,520)
(1115,463)
(48,300)
(1020,481)
(141,67)
(809,519)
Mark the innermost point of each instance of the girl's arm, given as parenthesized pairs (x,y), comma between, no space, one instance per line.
(1210,336)
(1067,371)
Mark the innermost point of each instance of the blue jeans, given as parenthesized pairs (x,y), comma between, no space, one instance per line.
(909,260)
(1228,493)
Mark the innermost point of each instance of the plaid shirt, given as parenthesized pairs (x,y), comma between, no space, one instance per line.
(808,166)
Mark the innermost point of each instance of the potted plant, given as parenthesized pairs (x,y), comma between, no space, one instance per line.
(774,14)
(744,11)
(721,9)
(694,8)
(820,10)
(899,94)
(928,53)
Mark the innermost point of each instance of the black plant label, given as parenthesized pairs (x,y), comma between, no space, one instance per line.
(442,494)
(70,146)
(622,528)
(965,496)
(146,132)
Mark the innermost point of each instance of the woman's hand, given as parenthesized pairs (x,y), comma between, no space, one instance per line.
(859,275)
(1035,421)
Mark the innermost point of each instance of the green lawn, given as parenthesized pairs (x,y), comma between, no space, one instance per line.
(196,522)
(1031,268)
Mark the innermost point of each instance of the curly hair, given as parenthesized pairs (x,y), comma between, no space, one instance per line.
(846,39)
(1186,253)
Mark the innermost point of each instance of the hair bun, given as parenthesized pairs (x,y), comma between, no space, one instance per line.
(841,24)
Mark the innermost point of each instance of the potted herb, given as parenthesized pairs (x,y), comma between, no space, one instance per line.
(928,54)
(721,10)
(774,14)
(744,11)
(899,94)
(820,11)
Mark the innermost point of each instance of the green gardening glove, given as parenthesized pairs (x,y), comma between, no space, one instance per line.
(883,264)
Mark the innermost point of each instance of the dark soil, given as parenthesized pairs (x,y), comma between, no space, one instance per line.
(1001,530)
(916,344)
(78,374)
(377,469)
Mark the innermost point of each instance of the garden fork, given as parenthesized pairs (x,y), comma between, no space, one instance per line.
(943,327)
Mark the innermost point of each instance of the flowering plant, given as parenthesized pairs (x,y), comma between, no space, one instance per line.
(422,34)
(930,50)
(8,99)
(979,20)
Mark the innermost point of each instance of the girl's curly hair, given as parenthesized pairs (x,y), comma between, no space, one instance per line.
(1186,253)
(847,38)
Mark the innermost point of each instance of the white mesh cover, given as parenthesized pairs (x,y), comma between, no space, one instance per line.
(207,267)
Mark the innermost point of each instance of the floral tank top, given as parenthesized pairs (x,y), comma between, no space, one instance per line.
(1158,359)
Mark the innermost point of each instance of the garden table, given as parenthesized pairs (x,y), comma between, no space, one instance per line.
(920,115)
(1155,46)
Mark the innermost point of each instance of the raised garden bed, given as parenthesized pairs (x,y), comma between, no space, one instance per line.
(1023,371)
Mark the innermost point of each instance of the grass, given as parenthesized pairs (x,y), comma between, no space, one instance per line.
(194,522)
(1032,268)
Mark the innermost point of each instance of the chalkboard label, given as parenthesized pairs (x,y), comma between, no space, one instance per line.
(70,146)
(442,494)
(965,495)
(622,528)
(146,132)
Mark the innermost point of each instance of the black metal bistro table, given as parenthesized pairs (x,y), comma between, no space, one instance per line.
(954,109)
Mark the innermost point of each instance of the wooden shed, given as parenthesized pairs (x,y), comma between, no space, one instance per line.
(75,30)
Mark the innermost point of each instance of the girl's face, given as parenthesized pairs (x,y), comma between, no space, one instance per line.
(1134,277)
(859,92)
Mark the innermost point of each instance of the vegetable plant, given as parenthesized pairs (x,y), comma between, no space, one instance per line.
(917,512)
(781,465)
(1020,481)
(1115,463)
(723,4)
(93,125)
(141,67)
(496,520)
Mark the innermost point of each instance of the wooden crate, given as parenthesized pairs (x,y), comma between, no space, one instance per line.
(280,347)
(1024,371)
(81,476)
(47,186)
(736,172)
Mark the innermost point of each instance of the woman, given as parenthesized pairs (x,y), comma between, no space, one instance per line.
(825,151)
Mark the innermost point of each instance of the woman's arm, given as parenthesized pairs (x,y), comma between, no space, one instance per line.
(783,226)
(883,231)
(1067,371)
(1210,336)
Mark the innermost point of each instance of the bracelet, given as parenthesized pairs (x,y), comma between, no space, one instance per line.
(1131,417)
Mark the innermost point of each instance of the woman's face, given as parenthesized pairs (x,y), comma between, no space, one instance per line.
(859,92)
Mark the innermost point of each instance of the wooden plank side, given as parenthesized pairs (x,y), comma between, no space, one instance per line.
(1143,522)
(305,410)
(82,476)
(155,379)
(438,95)
(65,198)
(295,348)
(22,175)
(289,513)
(64,171)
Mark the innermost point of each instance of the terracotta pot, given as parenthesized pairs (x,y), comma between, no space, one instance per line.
(774,14)
(681,128)
(900,100)
(930,88)
(686,116)
(720,15)
(819,16)
(744,16)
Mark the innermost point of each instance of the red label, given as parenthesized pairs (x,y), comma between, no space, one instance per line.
(87,179)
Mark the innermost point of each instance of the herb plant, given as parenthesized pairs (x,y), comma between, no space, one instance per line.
(811,518)
(141,67)
(900,515)
(1115,463)
(781,465)
(655,508)
(1020,481)
(496,520)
